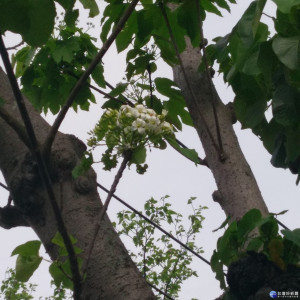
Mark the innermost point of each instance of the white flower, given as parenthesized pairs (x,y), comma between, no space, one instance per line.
(151,112)
(141,108)
(141,130)
(164,112)
(166,127)
(138,123)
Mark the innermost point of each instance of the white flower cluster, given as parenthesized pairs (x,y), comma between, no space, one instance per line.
(143,121)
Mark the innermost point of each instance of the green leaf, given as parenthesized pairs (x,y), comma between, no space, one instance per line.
(57,272)
(208,6)
(286,5)
(125,37)
(188,19)
(85,163)
(33,19)
(64,50)
(92,6)
(190,154)
(287,49)
(26,265)
(293,236)
(28,249)
(248,222)
(138,156)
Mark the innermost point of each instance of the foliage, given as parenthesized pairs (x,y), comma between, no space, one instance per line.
(162,264)
(28,261)
(13,289)
(263,70)
(282,249)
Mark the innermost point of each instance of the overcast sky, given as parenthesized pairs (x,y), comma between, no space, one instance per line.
(171,174)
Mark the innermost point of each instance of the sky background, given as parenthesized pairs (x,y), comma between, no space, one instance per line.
(169,173)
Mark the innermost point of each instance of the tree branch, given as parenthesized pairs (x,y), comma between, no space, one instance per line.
(11,217)
(43,171)
(84,77)
(15,125)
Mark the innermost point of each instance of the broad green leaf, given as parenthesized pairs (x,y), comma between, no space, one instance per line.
(33,19)
(269,229)
(28,248)
(92,6)
(209,7)
(188,19)
(287,49)
(58,240)
(285,103)
(65,49)
(278,159)
(57,272)
(293,236)
(98,75)
(286,5)
(248,222)
(66,4)
(191,154)
(217,267)
(125,37)
(138,156)
(26,265)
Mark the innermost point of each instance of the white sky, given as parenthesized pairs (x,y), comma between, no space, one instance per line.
(169,173)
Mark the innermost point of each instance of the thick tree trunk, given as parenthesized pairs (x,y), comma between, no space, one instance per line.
(111,273)
(237,188)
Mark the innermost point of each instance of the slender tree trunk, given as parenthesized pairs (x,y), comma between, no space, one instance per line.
(237,188)
(111,273)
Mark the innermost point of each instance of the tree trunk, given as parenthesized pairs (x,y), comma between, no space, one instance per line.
(111,273)
(237,188)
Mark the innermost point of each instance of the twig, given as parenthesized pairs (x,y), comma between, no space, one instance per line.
(160,291)
(16,46)
(43,171)
(165,16)
(15,125)
(104,208)
(84,77)
(150,85)
(4,186)
(155,225)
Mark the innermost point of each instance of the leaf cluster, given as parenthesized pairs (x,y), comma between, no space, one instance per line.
(256,233)
(263,71)
(163,264)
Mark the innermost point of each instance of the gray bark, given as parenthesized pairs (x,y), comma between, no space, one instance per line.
(111,273)
(237,191)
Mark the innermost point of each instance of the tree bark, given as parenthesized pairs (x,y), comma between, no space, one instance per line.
(237,191)
(111,274)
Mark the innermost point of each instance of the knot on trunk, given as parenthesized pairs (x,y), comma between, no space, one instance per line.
(83,185)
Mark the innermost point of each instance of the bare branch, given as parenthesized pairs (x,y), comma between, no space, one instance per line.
(16,46)
(84,77)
